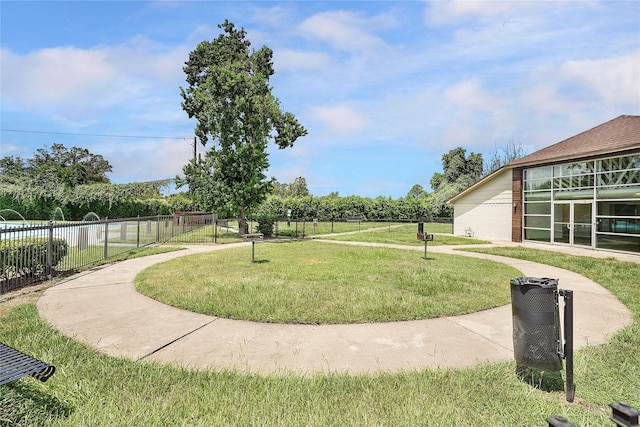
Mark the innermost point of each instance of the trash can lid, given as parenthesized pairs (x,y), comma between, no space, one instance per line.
(543,282)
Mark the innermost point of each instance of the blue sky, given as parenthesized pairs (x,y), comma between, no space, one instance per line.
(384,88)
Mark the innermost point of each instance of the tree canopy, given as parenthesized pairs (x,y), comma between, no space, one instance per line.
(298,188)
(459,171)
(416,192)
(504,155)
(230,97)
(58,165)
(75,181)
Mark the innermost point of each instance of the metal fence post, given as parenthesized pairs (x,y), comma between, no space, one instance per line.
(568,342)
(214,221)
(106,238)
(49,267)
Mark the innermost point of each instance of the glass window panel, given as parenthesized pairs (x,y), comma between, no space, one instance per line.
(622,192)
(624,225)
(537,173)
(582,213)
(537,196)
(618,242)
(537,208)
(580,181)
(573,169)
(604,225)
(561,212)
(619,178)
(573,194)
(538,184)
(537,235)
(537,221)
(619,163)
(619,208)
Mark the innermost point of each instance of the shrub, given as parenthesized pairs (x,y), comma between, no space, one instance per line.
(29,256)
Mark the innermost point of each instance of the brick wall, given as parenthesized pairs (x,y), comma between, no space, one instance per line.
(516,213)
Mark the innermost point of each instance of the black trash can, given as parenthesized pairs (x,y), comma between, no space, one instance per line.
(536,323)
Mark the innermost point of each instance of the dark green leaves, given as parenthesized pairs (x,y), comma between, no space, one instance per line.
(230,97)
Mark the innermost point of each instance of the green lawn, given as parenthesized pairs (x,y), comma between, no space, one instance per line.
(90,388)
(406,234)
(315,282)
(331,227)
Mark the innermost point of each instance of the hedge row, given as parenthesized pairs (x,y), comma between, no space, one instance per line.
(48,209)
(328,208)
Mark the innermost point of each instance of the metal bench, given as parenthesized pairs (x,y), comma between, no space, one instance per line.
(15,364)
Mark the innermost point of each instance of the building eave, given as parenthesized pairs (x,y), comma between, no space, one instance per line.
(479,183)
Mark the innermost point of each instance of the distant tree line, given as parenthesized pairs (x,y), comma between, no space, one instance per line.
(74,180)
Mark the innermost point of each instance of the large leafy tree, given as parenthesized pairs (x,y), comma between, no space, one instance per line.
(459,171)
(58,165)
(298,188)
(73,179)
(230,97)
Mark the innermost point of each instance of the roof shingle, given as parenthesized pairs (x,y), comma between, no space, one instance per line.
(619,134)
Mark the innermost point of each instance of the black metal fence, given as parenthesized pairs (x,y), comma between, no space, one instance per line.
(33,252)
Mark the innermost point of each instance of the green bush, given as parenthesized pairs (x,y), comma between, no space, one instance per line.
(266,217)
(29,256)
(329,208)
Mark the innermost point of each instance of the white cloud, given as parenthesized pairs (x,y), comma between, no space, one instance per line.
(469,96)
(277,16)
(346,31)
(544,100)
(616,80)
(289,59)
(79,85)
(342,119)
(454,11)
(148,160)
(55,77)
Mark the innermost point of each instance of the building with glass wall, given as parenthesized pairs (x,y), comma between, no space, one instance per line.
(583,191)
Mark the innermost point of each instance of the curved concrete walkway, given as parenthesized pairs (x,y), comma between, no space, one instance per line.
(102,308)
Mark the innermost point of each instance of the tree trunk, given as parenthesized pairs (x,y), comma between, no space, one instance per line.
(243,225)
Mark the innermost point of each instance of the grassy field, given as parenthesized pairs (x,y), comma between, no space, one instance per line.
(403,233)
(334,227)
(315,282)
(90,388)
(406,234)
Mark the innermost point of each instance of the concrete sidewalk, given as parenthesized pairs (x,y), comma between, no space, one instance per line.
(102,308)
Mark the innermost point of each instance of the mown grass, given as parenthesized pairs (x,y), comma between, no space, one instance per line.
(299,229)
(307,228)
(90,388)
(616,372)
(316,282)
(406,234)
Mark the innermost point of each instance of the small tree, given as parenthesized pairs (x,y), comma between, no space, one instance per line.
(416,192)
(298,188)
(230,97)
(459,171)
(504,155)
